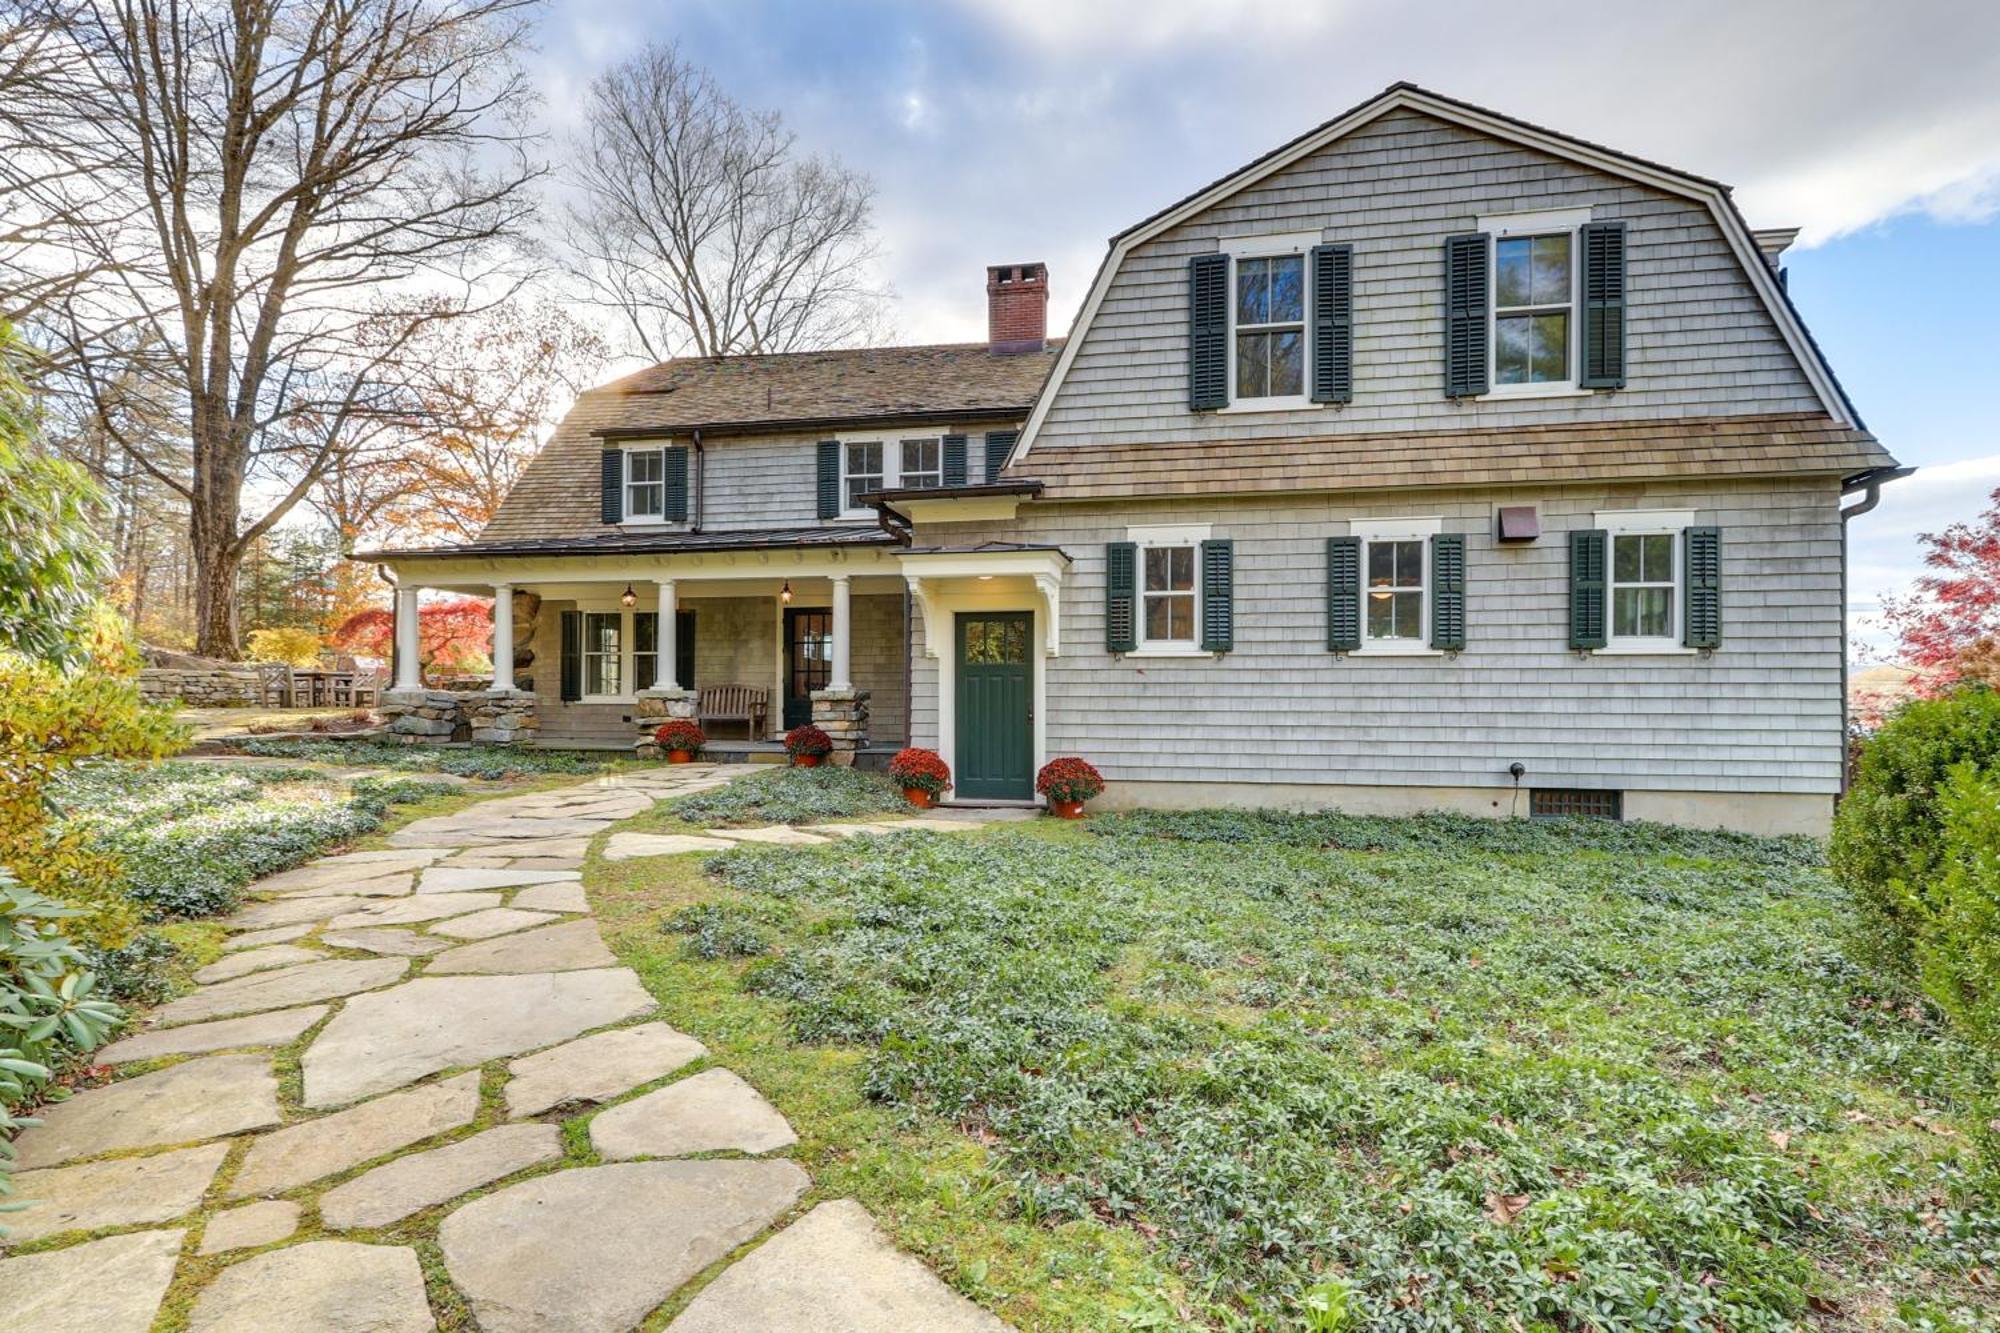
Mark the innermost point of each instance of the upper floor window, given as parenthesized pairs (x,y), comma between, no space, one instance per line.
(1531,309)
(884,465)
(645,484)
(922,463)
(1270,333)
(862,472)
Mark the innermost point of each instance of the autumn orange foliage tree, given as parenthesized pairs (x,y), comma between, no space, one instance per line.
(1948,625)
(452,635)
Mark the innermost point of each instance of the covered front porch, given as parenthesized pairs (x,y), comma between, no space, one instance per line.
(596,650)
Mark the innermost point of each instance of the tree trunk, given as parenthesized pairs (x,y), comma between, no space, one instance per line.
(216,565)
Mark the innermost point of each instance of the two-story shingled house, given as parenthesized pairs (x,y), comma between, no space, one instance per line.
(1432,460)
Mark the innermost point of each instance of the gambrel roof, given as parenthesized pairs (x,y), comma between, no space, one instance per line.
(1710,194)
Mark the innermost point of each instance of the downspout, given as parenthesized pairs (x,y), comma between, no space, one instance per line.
(700,479)
(1870,484)
(895,524)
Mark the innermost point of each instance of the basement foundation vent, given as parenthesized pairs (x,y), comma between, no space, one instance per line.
(1575,803)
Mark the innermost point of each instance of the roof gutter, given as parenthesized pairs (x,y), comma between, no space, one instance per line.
(1870,482)
(997,412)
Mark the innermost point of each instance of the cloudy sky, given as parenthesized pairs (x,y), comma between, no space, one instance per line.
(1001,130)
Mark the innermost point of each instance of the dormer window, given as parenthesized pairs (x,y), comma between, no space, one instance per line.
(861,473)
(645,485)
(887,465)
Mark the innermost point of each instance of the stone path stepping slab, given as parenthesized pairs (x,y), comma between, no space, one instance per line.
(334,869)
(197,1099)
(275,1028)
(595,1249)
(782,835)
(414,911)
(552,898)
(323,1286)
(710,1112)
(384,939)
(627,846)
(107,1286)
(547,862)
(395,1190)
(281,990)
(292,911)
(393,1037)
(311,1149)
(257,939)
(457,879)
(117,1193)
(832,1271)
(256,960)
(598,1067)
(497,921)
(398,885)
(567,947)
(253,1224)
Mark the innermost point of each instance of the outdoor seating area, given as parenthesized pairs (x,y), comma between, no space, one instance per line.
(746,704)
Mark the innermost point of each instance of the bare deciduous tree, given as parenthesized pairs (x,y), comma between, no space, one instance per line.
(306,186)
(699,223)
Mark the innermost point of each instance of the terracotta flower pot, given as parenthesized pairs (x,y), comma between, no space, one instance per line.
(680,756)
(1066,809)
(919,797)
(806,760)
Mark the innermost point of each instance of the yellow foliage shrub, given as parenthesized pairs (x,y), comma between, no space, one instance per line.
(297,647)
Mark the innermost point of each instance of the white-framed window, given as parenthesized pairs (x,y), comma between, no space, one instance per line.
(645,484)
(1643,590)
(861,472)
(920,463)
(1396,583)
(884,465)
(1533,342)
(603,658)
(1169,587)
(1269,319)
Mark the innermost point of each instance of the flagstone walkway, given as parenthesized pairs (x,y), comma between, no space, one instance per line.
(393,1031)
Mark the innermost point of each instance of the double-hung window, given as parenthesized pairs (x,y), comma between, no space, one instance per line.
(1269,312)
(1169,587)
(1643,588)
(1396,583)
(884,465)
(921,463)
(1534,301)
(603,641)
(645,485)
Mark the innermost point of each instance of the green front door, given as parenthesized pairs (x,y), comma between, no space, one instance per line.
(995,701)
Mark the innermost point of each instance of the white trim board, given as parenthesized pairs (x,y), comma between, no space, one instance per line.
(1406,97)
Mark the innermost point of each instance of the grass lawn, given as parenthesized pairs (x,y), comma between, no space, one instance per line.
(1224,1070)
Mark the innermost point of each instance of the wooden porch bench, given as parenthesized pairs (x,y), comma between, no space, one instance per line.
(734,703)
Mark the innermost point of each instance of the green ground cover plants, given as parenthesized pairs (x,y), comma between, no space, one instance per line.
(793,796)
(491,763)
(1271,1071)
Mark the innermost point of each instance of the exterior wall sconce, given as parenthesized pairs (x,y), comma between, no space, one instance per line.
(785,593)
(628,598)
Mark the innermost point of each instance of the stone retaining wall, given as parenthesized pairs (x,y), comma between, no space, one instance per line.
(203,687)
(487,717)
(843,716)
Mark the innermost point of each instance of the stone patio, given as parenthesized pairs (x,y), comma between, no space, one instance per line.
(449,1007)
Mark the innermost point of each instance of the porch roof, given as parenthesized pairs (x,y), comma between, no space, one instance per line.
(650,543)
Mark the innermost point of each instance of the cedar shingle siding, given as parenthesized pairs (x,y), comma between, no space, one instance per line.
(1699,341)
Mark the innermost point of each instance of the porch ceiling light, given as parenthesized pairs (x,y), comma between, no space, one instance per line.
(785,593)
(628,598)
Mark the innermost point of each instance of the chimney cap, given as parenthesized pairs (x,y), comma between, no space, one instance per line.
(1016,273)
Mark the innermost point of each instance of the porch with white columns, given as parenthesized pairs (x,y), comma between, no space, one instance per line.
(409,671)
(841,674)
(666,675)
(503,637)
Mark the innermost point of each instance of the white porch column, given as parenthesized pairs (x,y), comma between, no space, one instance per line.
(503,636)
(667,640)
(408,674)
(841,676)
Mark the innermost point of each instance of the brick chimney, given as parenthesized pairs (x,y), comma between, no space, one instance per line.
(1017,308)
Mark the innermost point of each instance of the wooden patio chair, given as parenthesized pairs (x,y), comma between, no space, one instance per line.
(275,684)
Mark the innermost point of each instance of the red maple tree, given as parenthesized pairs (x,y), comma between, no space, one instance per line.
(1947,626)
(454,635)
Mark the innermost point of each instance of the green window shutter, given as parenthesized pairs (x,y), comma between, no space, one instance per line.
(684,649)
(1218,596)
(829,478)
(1448,591)
(1333,323)
(675,470)
(1121,597)
(999,445)
(1588,549)
(954,460)
(1343,594)
(1702,563)
(572,656)
(1467,261)
(611,469)
(1208,332)
(1603,306)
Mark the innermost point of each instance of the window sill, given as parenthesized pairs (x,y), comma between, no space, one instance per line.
(1645,648)
(653,523)
(1395,650)
(1166,650)
(1503,392)
(1245,405)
